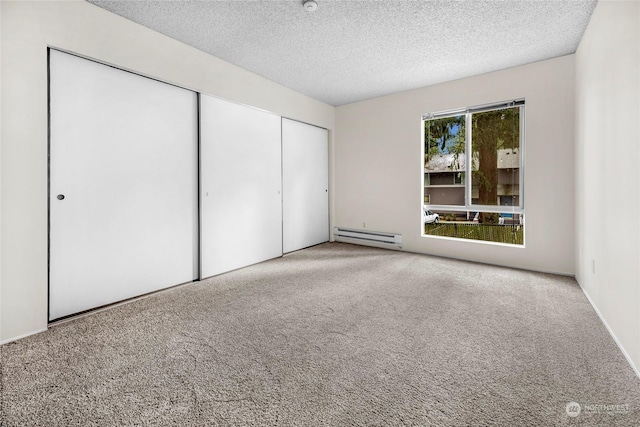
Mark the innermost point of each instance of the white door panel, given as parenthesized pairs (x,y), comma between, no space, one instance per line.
(305,184)
(124,155)
(241,201)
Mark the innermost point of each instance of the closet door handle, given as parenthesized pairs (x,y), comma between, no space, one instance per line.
(60,196)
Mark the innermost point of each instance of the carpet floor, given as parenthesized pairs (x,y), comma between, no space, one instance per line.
(332,335)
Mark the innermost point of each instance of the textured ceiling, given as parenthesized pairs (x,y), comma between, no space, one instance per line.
(351,50)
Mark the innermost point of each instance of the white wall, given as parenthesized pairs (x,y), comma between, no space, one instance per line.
(27,28)
(607,164)
(378,164)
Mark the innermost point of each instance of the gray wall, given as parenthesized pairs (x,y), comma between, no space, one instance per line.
(378,165)
(607,152)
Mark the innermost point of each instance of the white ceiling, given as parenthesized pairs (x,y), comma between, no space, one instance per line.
(351,50)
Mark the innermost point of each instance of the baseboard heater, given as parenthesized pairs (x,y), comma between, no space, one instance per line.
(366,237)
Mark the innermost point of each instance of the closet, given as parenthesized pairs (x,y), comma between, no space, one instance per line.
(305,183)
(123,182)
(240,186)
(152,185)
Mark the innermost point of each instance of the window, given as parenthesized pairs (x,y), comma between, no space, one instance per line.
(473,173)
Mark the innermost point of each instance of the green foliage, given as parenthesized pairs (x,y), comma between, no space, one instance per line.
(492,131)
(496,129)
(489,218)
(444,136)
(512,234)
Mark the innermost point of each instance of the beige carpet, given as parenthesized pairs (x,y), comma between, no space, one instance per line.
(332,335)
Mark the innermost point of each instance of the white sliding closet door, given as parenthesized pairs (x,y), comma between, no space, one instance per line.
(240,184)
(305,184)
(123,185)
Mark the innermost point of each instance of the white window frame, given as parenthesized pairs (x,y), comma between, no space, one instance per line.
(468,112)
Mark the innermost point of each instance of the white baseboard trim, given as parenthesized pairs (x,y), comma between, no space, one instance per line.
(615,339)
(8,340)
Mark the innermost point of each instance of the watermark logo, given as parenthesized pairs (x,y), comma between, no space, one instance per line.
(573,409)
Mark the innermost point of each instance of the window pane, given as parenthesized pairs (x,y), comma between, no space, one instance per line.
(444,161)
(491,209)
(500,228)
(495,144)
